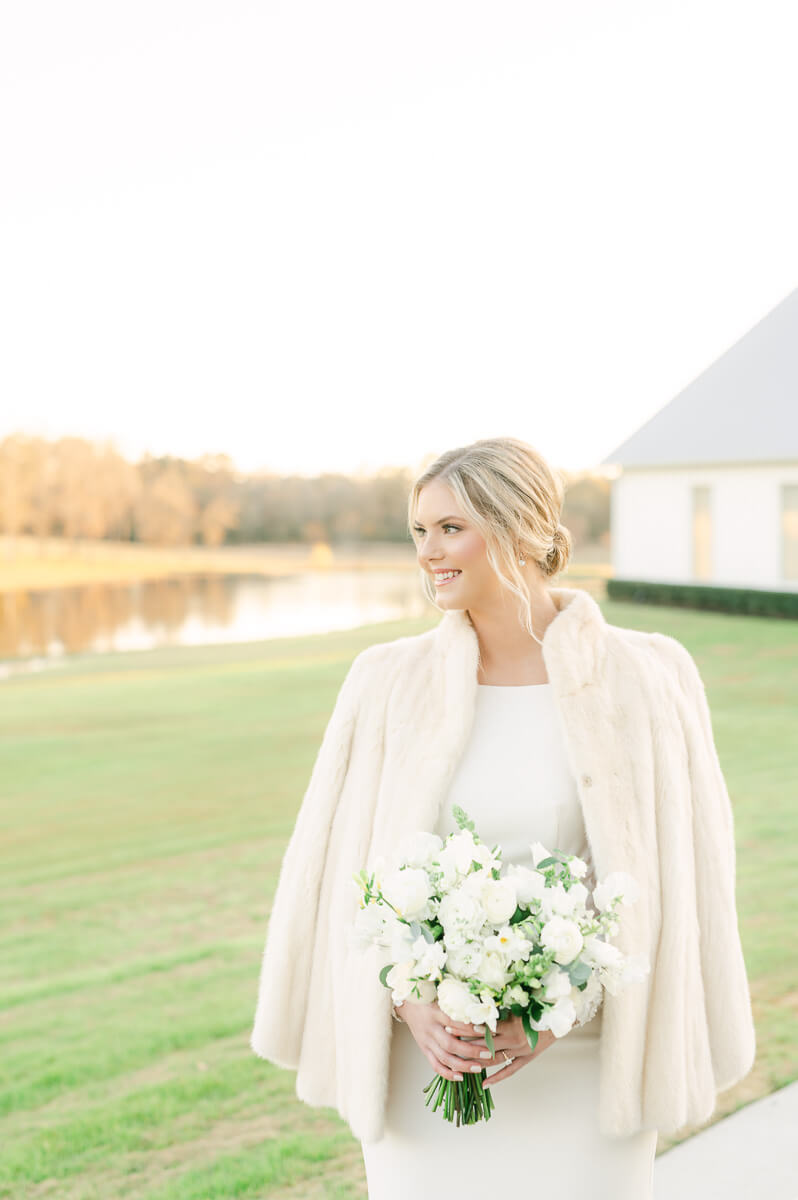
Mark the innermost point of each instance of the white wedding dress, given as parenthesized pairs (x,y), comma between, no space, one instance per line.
(542,1137)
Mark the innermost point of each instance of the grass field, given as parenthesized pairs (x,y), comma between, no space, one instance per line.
(146,802)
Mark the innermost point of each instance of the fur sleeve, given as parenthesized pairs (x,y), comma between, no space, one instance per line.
(726,990)
(286,963)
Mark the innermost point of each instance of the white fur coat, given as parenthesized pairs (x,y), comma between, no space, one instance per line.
(639,740)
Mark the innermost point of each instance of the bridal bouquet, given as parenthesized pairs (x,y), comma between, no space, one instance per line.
(451,925)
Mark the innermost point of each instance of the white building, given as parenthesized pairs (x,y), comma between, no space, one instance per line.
(708,487)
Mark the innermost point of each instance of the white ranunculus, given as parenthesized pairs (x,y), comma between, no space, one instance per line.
(529,885)
(454,998)
(564,937)
(419,849)
(556,983)
(617,883)
(493,972)
(409,892)
(498,899)
(402,985)
(464,959)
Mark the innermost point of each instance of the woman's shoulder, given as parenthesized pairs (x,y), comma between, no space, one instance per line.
(653,651)
(413,647)
(381,660)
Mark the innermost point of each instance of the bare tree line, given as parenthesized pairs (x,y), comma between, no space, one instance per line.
(75,488)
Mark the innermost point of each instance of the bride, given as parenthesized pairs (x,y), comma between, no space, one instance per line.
(546,724)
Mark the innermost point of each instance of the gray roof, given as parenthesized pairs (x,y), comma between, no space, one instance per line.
(744,408)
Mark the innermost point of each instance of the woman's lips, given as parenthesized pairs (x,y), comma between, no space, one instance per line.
(451,579)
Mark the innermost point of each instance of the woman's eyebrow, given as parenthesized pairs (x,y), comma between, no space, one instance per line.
(442,521)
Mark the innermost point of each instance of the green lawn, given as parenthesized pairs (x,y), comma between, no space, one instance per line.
(146,802)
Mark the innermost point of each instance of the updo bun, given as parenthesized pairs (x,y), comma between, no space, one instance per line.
(558,556)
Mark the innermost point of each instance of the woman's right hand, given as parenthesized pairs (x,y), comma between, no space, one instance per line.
(450,1056)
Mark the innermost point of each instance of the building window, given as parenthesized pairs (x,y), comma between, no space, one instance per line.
(789,531)
(702,534)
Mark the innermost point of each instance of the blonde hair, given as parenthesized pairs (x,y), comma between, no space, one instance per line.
(514,498)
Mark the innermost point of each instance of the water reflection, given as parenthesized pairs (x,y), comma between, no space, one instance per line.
(43,626)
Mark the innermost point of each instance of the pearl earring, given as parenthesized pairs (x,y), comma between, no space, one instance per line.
(522,562)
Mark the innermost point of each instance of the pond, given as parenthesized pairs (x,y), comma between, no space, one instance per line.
(39,628)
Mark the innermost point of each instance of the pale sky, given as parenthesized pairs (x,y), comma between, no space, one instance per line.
(342,236)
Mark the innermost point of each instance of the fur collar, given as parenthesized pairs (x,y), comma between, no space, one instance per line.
(573,644)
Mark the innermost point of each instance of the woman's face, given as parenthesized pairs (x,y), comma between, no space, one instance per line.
(446,540)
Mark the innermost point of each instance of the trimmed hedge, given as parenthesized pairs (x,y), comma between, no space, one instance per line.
(744,601)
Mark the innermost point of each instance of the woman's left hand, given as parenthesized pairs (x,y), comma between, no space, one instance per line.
(510,1036)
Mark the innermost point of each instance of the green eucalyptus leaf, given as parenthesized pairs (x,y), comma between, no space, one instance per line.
(578,972)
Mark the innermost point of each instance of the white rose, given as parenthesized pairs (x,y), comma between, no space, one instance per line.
(409,892)
(562,936)
(617,883)
(498,899)
(419,849)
